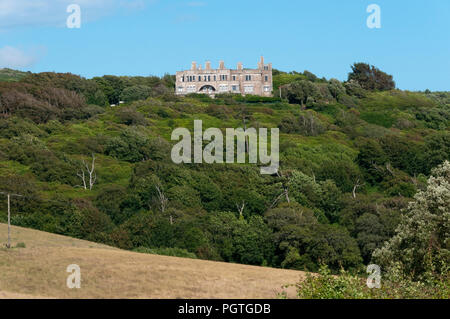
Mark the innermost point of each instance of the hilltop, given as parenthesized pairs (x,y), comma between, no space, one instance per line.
(39,271)
(11,75)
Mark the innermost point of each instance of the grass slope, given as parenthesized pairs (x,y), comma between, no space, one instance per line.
(10,75)
(39,271)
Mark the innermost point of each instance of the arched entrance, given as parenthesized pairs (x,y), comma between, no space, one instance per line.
(207,89)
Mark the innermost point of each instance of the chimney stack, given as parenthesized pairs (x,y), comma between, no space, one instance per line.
(261,63)
(194,66)
(221,65)
(208,65)
(239,66)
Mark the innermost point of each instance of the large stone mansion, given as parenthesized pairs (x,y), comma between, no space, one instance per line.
(222,80)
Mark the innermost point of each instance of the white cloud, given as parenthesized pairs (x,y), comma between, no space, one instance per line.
(15,13)
(14,58)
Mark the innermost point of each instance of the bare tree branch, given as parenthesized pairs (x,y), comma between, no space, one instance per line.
(90,171)
(163,200)
(240,208)
(356,186)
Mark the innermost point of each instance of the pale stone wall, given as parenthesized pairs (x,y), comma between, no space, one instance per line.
(213,81)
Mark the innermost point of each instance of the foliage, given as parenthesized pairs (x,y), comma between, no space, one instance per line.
(370,77)
(299,92)
(304,242)
(135,92)
(351,160)
(325,285)
(11,75)
(305,124)
(421,244)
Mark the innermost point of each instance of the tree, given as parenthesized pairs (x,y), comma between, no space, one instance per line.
(421,244)
(371,155)
(371,78)
(112,87)
(305,124)
(87,174)
(136,92)
(130,116)
(437,149)
(353,88)
(240,240)
(131,145)
(303,243)
(300,91)
(310,76)
(88,222)
(336,88)
(109,201)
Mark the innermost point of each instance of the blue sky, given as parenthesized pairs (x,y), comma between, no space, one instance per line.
(143,37)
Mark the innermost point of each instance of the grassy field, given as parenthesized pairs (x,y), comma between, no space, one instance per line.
(11,75)
(39,271)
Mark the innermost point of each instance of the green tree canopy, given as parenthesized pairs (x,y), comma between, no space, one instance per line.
(371,78)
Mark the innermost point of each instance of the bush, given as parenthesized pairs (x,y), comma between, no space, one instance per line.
(219,111)
(91,110)
(130,116)
(299,92)
(303,242)
(347,286)
(421,246)
(306,124)
(131,146)
(135,93)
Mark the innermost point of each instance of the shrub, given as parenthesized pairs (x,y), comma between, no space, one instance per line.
(131,146)
(130,116)
(324,285)
(219,111)
(306,124)
(421,245)
(136,92)
(384,119)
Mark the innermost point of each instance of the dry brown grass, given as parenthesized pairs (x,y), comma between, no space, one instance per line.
(39,271)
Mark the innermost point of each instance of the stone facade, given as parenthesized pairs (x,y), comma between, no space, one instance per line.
(222,80)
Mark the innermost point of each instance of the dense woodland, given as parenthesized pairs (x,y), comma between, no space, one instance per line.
(353,155)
